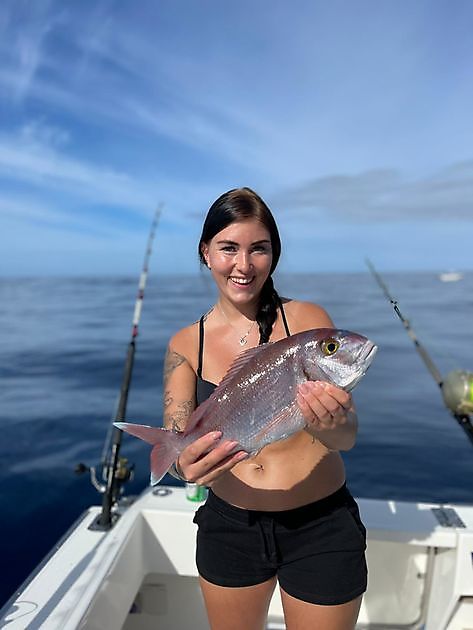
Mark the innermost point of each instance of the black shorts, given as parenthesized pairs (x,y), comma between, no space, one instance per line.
(317,550)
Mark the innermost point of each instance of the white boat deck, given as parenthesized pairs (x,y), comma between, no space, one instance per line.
(142,574)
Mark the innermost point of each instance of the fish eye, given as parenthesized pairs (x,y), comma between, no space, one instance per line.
(329,346)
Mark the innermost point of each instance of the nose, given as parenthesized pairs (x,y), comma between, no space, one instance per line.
(243,261)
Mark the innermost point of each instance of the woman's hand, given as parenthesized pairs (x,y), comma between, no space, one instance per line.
(202,461)
(329,413)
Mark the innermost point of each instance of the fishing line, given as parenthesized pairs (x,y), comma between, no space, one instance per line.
(456,387)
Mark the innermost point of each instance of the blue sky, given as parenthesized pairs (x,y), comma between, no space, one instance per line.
(352,119)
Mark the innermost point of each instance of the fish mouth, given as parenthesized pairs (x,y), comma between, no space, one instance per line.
(367,353)
(365,356)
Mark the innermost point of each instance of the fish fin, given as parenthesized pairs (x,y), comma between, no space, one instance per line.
(197,415)
(166,446)
(241,360)
(142,431)
(281,417)
(164,453)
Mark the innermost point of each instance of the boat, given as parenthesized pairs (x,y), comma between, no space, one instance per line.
(141,573)
(450,276)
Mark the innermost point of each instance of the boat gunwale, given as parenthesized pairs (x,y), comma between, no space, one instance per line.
(44,561)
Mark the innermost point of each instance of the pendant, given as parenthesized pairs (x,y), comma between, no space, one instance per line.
(242,341)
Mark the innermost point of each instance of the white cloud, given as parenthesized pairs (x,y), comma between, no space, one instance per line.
(41,133)
(25,157)
(384,195)
(24,27)
(20,210)
(62,189)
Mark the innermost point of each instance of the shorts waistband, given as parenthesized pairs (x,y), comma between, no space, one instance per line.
(315,509)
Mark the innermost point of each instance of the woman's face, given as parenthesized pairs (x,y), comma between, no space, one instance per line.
(240,258)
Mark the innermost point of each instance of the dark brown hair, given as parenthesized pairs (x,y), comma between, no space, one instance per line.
(237,205)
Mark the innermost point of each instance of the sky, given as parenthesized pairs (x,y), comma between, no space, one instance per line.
(353,120)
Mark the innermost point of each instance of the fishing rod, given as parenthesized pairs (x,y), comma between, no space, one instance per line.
(115,469)
(456,387)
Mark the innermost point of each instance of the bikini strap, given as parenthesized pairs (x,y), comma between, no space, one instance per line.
(201,346)
(201,336)
(284,320)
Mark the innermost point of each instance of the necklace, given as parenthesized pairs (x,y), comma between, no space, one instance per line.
(243,338)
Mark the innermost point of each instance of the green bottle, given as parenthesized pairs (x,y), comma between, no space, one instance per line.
(194,492)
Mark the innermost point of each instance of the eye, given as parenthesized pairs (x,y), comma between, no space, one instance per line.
(329,346)
(260,248)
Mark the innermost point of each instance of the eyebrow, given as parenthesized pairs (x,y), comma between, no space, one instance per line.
(228,242)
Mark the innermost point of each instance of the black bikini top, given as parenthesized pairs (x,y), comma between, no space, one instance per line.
(205,388)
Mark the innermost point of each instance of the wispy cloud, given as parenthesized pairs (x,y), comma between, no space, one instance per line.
(39,132)
(385,195)
(36,155)
(24,27)
(18,211)
(139,84)
(49,185)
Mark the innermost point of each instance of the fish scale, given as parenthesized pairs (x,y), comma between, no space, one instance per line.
(255,403)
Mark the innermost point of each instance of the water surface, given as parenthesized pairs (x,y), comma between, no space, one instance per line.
(63,346)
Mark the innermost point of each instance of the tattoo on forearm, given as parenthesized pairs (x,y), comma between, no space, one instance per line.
(167,399)
(171,362)
(175,415)
(177,420)
(185,408)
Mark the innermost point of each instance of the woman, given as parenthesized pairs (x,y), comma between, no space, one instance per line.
(284,514)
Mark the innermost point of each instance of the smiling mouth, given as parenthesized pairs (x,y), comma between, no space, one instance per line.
(242,282)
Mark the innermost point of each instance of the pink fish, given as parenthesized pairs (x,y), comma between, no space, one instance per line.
(255,403)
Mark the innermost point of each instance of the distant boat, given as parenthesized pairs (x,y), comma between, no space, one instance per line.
(450,276)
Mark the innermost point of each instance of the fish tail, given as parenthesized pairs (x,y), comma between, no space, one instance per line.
(167,445)
(164,453)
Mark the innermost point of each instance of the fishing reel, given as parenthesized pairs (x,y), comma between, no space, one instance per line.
(457,391)
(111,490)
(123,473)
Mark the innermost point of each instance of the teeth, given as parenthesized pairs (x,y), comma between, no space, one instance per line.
(242,280)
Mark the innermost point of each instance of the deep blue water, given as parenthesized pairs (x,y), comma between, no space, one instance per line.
(63,345)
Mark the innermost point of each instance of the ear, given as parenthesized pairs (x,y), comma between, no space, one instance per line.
(204,248)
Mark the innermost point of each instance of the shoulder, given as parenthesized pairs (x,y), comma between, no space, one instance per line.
(185,343)
(181,338)
(305,315)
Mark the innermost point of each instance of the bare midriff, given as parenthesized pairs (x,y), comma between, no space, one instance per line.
(283,475)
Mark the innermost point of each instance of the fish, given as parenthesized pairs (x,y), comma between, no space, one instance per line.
(255,403)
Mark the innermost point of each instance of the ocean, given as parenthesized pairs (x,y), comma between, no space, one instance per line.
(63,346)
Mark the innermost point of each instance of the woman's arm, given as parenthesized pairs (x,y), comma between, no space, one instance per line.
(179,389)
(206,458)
